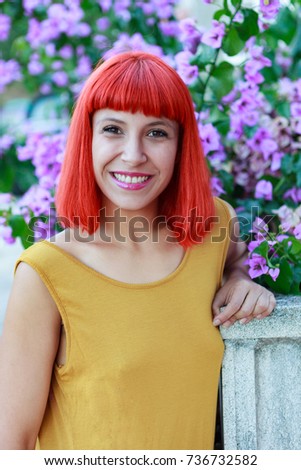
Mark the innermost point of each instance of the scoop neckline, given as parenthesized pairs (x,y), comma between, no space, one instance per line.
(111,280)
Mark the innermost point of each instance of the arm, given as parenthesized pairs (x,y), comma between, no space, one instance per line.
(28,348)
(242,298)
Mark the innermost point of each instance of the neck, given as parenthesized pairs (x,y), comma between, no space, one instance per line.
(130,226)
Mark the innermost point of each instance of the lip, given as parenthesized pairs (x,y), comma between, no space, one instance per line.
(131,186)
(130,173)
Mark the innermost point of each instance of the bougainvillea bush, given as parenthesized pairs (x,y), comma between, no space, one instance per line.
(243,73)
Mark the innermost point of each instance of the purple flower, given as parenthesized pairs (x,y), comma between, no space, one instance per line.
(103,23)
(35,67)
(84,66)
(6,233)
(269,8)
(5,24)
(6,141)
(10,71)
(296,109)
(210,137)
(46,152)
(274,273)
(169,28)
(132,43)
(190,35)
(288,217)
(296,125)
(30,5)
(37,199)
(105,4)
(260,228)
(188,73)
(60,78)
(5,198)
(254,244)
(297,231)
(276,161)
(216,186)
(257,266)
(294,194)
(66,52)
(264,189)
(215,36)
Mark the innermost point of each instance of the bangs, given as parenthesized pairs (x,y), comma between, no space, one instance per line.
(136,85)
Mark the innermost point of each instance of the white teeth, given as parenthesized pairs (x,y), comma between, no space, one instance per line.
(129,179)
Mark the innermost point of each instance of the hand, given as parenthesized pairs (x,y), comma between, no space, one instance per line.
(241,299)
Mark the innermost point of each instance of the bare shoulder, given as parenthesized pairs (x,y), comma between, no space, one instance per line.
(30,296)
(28,347)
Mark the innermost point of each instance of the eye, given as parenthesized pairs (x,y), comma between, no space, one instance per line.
(112,130)
(157,133)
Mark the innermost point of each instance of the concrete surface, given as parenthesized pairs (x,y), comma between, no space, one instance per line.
(261,381)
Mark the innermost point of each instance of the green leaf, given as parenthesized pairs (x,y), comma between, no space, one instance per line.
(287,164)
(235,3)
(249,27)
(285,27)
(284,282)
(219,13)
(262,249)
(297,275)
(6,177)
(205,55)
(222,79)
(232,44)
(298,171)
(21,229)
(295,246)
(227,180)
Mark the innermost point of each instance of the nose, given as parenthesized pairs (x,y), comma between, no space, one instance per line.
(133,151)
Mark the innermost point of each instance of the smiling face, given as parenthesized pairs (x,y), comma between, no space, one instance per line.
(133,158)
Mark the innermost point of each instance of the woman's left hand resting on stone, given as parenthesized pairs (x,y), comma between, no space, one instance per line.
(239,298)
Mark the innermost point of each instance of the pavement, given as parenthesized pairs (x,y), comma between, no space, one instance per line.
(8,257)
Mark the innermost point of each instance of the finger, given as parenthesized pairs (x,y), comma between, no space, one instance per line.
(229,311)
(247,308)
(219,302)
(262,311)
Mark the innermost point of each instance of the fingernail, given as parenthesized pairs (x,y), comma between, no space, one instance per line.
(216,322)
(242,321)
(227,324)
(259,317)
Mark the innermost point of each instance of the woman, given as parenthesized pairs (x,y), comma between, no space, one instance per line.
(109,340)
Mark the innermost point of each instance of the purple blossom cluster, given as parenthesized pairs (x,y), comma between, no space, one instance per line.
(5,229)
(5,25)
(269,8)
(272,135)
(125,42)
(258,264)
(215,35)
(10,71)
(61,18)
(46,153)
(6,141)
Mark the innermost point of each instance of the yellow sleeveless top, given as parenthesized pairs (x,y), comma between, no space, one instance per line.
(143,360)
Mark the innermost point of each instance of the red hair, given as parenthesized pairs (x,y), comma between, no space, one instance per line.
(137,82)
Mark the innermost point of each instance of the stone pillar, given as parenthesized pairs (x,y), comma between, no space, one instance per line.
(261,380)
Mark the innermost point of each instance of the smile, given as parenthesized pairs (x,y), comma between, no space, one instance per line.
(131,181)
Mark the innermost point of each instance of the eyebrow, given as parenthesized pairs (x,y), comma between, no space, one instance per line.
(120,121)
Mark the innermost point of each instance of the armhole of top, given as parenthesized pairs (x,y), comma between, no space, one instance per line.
(54,295)
(227,218)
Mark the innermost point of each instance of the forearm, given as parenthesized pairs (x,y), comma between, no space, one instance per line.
(237,268)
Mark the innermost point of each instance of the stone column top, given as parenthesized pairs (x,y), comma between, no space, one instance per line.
(283,322)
